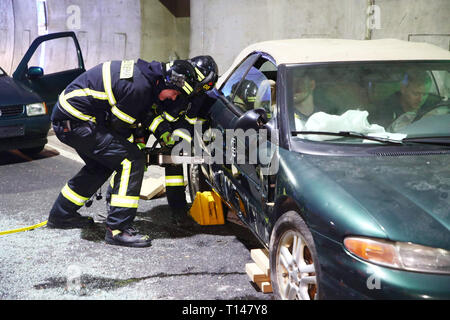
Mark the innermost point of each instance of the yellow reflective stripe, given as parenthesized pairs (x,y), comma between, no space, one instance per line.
(106,73)
(115,232)
(251,99)
(72,196)
(74,112)
(125,177)
(182,135)
(86,92)
(200,74)
(155,123)
(131,138)
(174,181)
(124,201)
(122,116)
(191,120)
(169,118)
(111,181)
(187,88)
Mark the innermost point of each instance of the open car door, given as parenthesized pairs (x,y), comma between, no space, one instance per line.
(50,64)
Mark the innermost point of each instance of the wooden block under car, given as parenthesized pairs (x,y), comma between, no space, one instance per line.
(259,271)
(152,187)
(261,258)
(266,287)
(255,273)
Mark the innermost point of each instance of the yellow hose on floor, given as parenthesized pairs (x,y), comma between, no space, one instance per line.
(24,229)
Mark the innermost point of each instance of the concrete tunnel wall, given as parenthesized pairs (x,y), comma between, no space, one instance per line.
(106,30)
(128,29)
(224,28)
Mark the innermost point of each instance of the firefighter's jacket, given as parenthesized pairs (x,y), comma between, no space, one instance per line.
(180,116)
(117,94)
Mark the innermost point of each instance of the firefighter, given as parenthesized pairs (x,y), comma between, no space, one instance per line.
(178,117)
(96,115)
(194,110)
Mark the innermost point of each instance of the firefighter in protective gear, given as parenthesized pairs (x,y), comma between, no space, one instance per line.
(194,110)
(176,118)
(96,115)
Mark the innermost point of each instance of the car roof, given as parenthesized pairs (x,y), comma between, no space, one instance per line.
(291,51)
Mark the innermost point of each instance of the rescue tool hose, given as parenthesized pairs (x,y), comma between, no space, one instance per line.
(24,229)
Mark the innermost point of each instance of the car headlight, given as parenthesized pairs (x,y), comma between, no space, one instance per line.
(36,109)
(400,255)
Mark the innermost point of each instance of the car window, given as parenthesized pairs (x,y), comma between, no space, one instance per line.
(250,86)
(266,94)
(236,77)
(55,55)
(389,99)
(2,72)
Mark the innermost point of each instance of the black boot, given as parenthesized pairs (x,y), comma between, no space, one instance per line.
(74,221)
(129,237)
(180,216)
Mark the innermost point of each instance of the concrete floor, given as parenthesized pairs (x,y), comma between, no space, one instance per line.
(184,263)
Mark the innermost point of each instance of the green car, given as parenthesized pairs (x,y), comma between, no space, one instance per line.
(351,192)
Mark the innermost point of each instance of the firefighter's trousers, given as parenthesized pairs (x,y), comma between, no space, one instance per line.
(175,189)
(103,152)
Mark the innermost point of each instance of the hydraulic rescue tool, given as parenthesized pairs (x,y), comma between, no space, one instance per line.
(164,156)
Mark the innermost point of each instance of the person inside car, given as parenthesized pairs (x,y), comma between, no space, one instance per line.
(303,99)
(408,104)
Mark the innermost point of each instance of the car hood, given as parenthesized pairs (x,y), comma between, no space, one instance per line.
(12,93)
(409,196)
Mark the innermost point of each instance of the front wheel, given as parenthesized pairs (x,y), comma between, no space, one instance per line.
(294,266)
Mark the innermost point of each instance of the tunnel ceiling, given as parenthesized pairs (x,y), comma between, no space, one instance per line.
(179,8)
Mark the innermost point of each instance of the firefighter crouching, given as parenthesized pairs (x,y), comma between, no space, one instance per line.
(96,115)
(178,117)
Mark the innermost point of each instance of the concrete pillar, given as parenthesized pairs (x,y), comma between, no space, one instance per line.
(164,37)
(25,28)
(6,34)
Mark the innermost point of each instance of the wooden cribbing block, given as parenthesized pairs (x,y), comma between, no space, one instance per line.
(152,187)
(255,273)
(259,271)
(266,287)
(261,258)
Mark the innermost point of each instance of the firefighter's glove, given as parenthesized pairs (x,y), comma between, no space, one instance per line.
(141,145)
(167,139)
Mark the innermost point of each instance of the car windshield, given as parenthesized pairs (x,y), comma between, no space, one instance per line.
(389,100)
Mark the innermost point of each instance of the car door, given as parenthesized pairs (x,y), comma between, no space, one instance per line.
(240,178)
(223,115)
(50,64)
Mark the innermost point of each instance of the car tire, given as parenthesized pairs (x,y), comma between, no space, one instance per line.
(196,180)
(294,267)
(32,151)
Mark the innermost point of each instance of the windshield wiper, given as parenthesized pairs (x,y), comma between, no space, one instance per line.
(436,140)
(351,134)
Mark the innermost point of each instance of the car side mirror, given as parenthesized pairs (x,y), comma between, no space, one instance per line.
(35,73)
(252,119)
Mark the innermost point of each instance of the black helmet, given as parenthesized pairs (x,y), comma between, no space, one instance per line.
(181,76)
(246,91)
(207,72)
